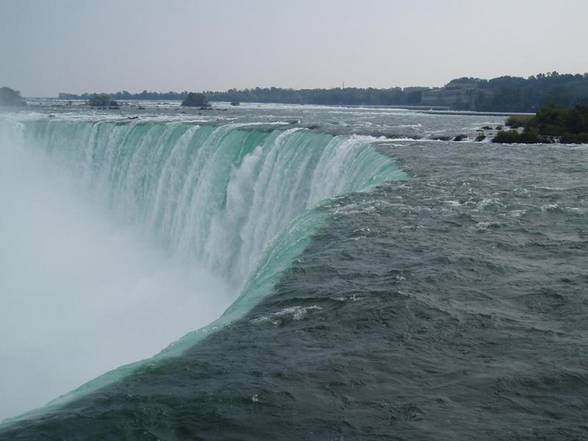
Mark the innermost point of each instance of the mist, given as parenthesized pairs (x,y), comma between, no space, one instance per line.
(80,291)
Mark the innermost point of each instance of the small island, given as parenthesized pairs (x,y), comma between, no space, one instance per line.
(11,98)
(552,124)
(102,100)
(194,99)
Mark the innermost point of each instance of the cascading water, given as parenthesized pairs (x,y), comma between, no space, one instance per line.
(236,199)
(452,306)
(216,194)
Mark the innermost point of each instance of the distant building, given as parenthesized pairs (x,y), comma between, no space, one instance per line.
(460,94)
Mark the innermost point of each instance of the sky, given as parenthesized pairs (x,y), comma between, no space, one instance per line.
(51,46)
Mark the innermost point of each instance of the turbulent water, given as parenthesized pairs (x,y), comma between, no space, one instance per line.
(378,289)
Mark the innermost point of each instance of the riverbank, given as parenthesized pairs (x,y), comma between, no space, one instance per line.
(551,124)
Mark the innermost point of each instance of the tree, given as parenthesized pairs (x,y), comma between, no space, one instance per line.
(102,100)
(195,100)
(551,124)
(11,98)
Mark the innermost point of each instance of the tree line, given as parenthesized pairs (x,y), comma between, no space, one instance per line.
(551,124)
(503,94)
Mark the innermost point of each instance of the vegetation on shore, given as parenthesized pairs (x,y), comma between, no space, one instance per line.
(503,94)
(194,99)
(11,98)
(102,100)
(550,124)
(516,121)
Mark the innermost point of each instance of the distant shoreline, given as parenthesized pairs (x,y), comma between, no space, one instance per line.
(432,110)
(502,95)
(472,112)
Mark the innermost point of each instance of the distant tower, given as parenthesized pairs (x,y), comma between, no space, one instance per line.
(343,85)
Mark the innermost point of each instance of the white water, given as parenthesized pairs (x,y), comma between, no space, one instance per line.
(81,293)
(122,237)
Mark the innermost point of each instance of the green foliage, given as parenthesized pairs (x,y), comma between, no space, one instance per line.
(194,99)
(514,137)
(551,124)
(334,96)
(554,121)
(506,137)
(10,97)
(512,94)
(572,138)
(101,100)
(503,94)
(126,95)
(516,121)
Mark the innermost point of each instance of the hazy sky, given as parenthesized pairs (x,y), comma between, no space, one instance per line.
(48,46)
